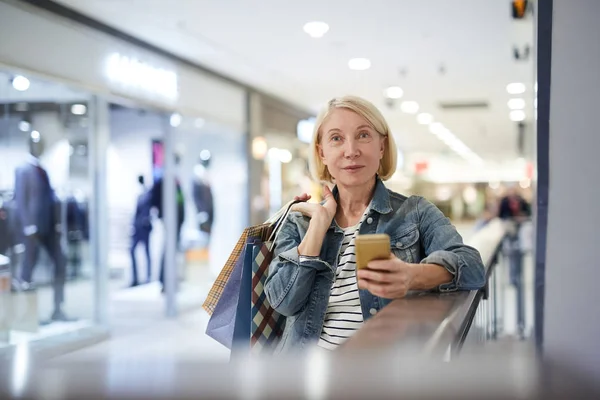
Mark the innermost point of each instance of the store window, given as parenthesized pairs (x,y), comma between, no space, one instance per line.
(213,172)
(46,268)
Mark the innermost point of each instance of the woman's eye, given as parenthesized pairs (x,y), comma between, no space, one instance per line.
(364,135)
(336,138)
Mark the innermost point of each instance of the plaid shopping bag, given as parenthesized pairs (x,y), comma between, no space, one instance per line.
(260,231)
(221,325)
(267,324)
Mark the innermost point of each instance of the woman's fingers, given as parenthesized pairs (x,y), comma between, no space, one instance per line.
(305,208)
(375,276)
(302,197)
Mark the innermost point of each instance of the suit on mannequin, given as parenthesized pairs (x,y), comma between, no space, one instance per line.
(36,209)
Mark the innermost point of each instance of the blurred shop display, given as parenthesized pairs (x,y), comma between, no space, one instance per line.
(202,193)
(44,208)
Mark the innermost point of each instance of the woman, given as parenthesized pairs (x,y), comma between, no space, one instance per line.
(312,278)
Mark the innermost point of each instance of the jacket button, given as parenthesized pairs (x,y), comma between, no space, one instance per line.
(369,220)
(373,311)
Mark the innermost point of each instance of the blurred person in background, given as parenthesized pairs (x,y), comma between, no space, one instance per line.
(513,206)
(515,211)
(142,227)
(313,279)
(156,201)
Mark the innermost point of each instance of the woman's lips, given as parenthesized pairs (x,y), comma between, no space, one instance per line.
(353,168)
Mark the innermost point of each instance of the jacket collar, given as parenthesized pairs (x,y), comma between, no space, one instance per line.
(381,198)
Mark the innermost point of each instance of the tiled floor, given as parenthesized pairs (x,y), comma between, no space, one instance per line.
(139,326)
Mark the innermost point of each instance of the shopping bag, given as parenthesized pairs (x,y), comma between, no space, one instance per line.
(242,331)
(262,232)
(239,292)
(222,322)
(216,291)
(261,330)
(267,324)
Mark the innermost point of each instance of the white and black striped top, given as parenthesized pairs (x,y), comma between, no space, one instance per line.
(344,315)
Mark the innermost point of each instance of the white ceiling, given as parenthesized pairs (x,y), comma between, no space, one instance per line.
(262,43)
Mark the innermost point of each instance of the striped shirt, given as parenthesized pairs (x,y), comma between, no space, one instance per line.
(344,314)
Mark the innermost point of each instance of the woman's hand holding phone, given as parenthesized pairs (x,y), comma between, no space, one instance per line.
(391,278)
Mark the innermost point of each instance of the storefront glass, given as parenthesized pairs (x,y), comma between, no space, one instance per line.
(210,168)
(46,268)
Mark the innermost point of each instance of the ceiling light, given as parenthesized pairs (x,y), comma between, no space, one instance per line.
(394,92)
(515,88)
(437,128)
(359,64)
(175,120)
(494,185)
(20,83)
(316,29)
(424,118)
(516,104)
(517,115)
(24,126)
(409,107)
(35,136)
(78,109)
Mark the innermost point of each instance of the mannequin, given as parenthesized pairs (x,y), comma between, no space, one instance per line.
(156,201)
(202,192)
(36,209)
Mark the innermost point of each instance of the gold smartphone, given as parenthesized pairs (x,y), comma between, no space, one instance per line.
(371,247)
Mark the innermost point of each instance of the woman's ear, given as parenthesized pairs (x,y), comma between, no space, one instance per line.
(321,154)
(383,145)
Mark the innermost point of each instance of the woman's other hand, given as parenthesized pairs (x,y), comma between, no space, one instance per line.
(323,213)
(390,279)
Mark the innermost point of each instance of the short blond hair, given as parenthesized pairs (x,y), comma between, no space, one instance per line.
(368,111)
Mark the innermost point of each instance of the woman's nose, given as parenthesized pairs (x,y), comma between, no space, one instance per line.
(351,150)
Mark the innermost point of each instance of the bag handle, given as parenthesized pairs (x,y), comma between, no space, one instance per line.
(279,222)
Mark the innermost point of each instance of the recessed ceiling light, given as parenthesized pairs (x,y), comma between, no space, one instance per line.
(20,83)
(394,92)
(517,115)
(409,107)
(437,128)
(35,136)
(425,118)
(516,104)
(359,64)
(316,29)
(78,109)
(515,88)
(24,126)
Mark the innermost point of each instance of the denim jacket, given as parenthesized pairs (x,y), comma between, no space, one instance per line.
(419,233)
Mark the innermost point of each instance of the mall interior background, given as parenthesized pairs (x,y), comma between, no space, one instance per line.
(100,132)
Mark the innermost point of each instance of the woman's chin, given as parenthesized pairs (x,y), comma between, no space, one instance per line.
(354,180)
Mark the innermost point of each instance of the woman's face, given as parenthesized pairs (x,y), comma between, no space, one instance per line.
(350,148)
